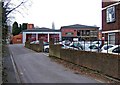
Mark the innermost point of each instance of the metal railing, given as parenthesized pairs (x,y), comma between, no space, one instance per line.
(93,46)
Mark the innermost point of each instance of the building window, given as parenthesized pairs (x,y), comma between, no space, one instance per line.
(78,33)
(87,32)
(69,33)
(110,12)
(111,38)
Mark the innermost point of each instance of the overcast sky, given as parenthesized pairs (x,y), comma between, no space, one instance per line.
(62,13)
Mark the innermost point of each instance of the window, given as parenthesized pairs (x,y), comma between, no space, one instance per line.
(110,12)
(116,50)
(69,33)
(78,33)
(93,47)
(88,32)
(107,47)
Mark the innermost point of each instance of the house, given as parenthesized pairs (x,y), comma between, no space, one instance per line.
(41,33)
(111,21)
(80,32)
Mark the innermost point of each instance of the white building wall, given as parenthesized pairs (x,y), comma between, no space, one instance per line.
(25,33)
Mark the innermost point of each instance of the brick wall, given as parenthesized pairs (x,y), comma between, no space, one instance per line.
(114,25)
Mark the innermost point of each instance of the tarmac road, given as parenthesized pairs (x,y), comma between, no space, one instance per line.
(38,68)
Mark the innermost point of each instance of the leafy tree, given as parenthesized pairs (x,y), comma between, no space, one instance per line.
(15,29)
(24,26)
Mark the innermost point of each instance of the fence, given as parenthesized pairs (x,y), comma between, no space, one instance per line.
(94,46)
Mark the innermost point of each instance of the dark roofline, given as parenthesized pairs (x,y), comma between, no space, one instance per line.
(41,30)
(79,26)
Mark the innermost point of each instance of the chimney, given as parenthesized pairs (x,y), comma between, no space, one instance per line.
(30,26)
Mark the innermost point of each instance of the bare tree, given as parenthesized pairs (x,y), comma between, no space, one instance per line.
(9,8)
(12,6)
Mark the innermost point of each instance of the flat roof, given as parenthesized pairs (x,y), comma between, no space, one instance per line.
(41,30)
(78,26)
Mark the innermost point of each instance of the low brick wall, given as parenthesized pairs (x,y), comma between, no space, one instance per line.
(107,64)
(35,47)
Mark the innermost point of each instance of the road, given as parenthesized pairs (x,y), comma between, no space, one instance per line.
(38,68)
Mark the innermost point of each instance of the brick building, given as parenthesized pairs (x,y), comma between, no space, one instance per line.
(41,33)
(111,21)
(82,32)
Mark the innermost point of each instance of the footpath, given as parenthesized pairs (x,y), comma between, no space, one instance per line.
(8,75)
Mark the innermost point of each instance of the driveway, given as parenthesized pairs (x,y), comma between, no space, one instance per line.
(38,68)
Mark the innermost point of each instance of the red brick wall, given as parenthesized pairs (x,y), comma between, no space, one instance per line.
(114,25)
(117,38)
(64,31)
(104,4)
(17,39)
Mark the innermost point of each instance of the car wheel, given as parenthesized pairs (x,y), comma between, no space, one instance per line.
(47,50)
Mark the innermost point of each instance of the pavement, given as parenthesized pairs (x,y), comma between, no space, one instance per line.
(8,68)
(35,67)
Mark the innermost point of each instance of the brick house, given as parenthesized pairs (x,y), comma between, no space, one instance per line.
(111,21)
(82,32)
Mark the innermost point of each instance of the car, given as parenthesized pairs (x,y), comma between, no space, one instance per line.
(106,47)
(92,48)
(46,48)
(113,50)
(70,47)
(77,45)
(35,42)
(66,42)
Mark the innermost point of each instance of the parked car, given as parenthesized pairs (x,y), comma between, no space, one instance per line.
(46,48)
(77,45)
(113,50)
(106,47)
(70,47)
(66,42)
(92,48)
(35,42)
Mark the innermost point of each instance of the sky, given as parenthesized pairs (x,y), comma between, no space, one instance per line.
(62,12)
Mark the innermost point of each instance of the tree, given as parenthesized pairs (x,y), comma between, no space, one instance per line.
(24,26)
(9,7)
(13,6)
(15,29)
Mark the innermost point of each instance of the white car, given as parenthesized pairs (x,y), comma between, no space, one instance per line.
(35,42)
(70,47)
(46,48)
(113,50)
(107,46)
(92,48)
